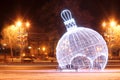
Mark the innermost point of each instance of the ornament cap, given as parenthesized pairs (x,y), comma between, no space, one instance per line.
(68,20)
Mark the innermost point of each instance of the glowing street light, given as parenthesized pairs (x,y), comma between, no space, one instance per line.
(113,23)
(104,24)
(111,31)
(23,34)
(16,34)
(43,48)
(27,24)
(18,23)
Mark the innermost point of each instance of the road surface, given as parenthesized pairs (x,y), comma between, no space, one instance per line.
(40,66)
(58,75)
(49,72)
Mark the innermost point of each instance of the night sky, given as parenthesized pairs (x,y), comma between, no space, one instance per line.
(99,9)
(12,9)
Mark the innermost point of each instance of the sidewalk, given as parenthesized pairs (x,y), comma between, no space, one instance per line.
(30,63)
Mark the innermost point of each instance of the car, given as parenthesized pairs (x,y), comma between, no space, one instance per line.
(27,59)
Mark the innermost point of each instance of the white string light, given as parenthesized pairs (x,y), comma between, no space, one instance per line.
(80,48)
(68,20)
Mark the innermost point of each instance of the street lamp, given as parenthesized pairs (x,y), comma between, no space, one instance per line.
(113,23)
(109,34)
(43,48)
(104,24)
(27,24)
(18,23)
(23,34)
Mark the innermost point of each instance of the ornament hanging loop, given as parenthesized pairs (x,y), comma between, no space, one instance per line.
(68,20)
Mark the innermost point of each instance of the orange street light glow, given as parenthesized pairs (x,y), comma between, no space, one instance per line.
(23,54)
(104,24)
(112,23)
(29,47)
(19,23)
(27,24)
(43,48)
(4,44)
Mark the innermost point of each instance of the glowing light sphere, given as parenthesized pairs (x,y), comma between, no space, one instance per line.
(80,48)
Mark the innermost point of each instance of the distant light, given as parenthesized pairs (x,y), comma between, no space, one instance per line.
(43,48)
(27,24)
(23,54)
(38,48)
(104,24)
(112,23)
(46,53)
(18,23)
(29,47)
(33,55)
(4,44)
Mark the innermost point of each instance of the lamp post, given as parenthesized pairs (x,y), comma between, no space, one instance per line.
(109,34)
(19,24)
(22,34)
(27,24)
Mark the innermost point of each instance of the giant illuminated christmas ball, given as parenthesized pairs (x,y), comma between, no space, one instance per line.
(80,48)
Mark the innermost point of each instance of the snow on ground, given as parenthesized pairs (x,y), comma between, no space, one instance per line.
(58,75)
